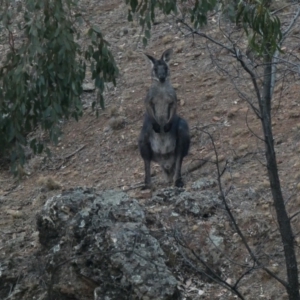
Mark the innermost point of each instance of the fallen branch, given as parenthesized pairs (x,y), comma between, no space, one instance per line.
(197,165)
(73,153)
(67,157)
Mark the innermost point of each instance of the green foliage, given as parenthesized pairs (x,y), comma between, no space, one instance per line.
(41,76)
(199,12)
(262,28)
(146,10)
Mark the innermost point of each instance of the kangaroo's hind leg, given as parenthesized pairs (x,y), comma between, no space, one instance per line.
(182,148)
(146,153)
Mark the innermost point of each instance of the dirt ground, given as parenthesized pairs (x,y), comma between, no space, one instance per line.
(102,152)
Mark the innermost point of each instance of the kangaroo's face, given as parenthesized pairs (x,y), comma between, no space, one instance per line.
(160,69)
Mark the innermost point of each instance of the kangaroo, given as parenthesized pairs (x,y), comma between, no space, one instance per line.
(164,137)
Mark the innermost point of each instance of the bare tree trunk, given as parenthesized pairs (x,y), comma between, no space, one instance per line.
(282,216)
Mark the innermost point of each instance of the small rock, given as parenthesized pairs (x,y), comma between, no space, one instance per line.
(232,113)
(221,158)
(251,193)
(179,46)
(48,183)
(216,119)
(266,184)
(209,96)
(294,115)
(144,194)
(131,55)
(195,227)
(275,268)
(297,239)
(113,111)
(122,47)
(204,184)
(88,87)
(176,86)
(236,175)
(239,131)
(109,86)
(265,206)
(167,39)
(116,123)
(106,129)
(243,147)
(14,213)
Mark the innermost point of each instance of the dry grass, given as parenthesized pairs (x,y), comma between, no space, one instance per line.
(49,183)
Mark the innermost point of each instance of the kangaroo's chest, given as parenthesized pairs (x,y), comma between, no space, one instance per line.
(162,143)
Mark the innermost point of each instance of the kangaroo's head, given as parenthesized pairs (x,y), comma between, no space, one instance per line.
(160,68)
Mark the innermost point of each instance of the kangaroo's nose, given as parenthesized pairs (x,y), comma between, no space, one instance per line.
(162,79)
(167,166)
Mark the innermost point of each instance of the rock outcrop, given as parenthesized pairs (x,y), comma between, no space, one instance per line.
(101,239)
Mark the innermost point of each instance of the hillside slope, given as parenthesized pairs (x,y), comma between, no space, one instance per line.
(102,153)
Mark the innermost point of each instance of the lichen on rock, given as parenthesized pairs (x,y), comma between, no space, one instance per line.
(106,240)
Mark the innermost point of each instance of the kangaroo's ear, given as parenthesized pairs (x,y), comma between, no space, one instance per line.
(152,59)
(166,56)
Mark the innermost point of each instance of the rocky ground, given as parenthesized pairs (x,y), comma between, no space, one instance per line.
(102,154)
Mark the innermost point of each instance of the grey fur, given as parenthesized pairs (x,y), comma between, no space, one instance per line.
(165,136)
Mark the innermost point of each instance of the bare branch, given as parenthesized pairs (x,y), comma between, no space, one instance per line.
(258,137)
(250,72)
(244,274)
(290,27)
(294,215)
(202,34)
(283,7)
(212,274)
(239,232)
